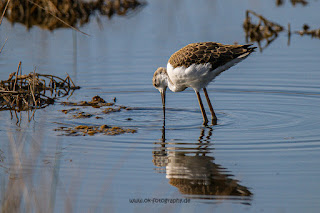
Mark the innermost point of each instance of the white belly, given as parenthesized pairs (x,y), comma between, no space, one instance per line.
(196,76)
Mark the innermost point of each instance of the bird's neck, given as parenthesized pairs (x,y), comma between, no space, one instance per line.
(170,84)
(174,87)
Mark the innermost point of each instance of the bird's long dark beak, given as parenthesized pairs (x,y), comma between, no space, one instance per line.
(163,97)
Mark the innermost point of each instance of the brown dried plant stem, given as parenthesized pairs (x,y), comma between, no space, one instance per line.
(3,44)
(4,11)
(27,92)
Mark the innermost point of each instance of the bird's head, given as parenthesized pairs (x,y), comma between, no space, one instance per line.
(160,81)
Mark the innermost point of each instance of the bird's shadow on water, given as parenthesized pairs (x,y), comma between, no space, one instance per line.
(190,167)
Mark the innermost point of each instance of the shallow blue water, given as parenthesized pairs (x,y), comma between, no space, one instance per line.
(266,144)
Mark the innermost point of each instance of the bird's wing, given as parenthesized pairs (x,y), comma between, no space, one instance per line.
(208,52)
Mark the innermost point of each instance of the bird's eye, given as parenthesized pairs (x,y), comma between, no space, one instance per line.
(156,83)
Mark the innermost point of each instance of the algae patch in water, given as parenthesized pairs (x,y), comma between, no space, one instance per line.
(83,130)
(82,115)
(94,129)
(307,31)
(66,111)
(109,110)
(96,102)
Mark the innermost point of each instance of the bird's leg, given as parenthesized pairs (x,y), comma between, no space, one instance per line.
(213,115)
(163,98)
(205,119)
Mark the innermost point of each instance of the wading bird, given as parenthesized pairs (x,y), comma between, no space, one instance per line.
(195,66)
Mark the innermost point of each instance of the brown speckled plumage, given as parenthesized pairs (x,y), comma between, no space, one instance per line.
(208,52)
(195,66)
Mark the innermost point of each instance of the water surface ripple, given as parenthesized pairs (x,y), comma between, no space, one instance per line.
(262,156)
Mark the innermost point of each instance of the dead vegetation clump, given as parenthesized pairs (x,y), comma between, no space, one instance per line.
(293,2)
(110,110)
(82,115)
(66,111)
(83,130)
(63,13)
(263,30)
(306,31)
(96,102)
(32,91)
(117,109)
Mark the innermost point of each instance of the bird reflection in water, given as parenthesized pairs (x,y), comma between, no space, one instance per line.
(189,168)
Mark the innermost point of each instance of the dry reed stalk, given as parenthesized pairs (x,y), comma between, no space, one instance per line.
(15,81)
(4,11)
(69,79)
(3,44)
(31,91)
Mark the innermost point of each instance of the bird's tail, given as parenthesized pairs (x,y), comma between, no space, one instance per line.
(249,48)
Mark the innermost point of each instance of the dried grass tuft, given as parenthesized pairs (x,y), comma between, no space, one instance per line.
(32,91)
